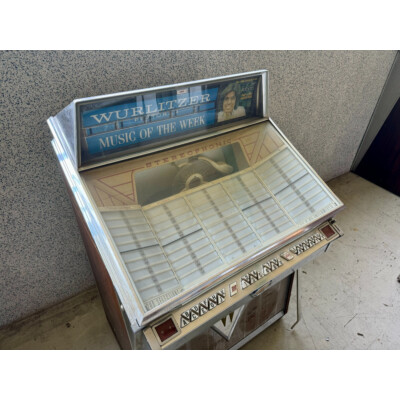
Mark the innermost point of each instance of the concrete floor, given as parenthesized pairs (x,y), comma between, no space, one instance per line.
(350,295)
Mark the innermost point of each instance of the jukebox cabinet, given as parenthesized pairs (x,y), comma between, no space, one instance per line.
(195,209)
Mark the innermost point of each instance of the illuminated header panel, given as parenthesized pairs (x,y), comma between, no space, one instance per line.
(134,123)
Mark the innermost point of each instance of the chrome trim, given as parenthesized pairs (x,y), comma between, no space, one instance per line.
(129,93)
(265,93)
(261,289)
(53,121)
(298,299)
(77,160)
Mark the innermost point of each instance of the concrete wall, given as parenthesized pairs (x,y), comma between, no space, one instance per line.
(321,100)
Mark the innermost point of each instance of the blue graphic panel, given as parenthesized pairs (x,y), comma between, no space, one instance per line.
(145,120)
(146,105)
(122,138)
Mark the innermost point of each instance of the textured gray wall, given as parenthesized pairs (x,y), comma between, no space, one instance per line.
(321,100)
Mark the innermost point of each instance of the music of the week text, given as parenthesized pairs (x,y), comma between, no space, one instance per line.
(151,132)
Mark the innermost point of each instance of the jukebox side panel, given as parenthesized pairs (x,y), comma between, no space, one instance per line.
(109,297)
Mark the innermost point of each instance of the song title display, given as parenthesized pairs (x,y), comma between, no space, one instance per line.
(147,119)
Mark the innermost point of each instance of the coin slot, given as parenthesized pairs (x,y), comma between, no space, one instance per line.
(328,231)
(166,330)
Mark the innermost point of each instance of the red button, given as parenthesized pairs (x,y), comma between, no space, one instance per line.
(328,231)
(166,330)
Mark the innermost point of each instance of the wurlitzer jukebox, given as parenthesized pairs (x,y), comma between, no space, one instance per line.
(195,209)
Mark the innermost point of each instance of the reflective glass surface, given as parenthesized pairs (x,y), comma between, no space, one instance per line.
(184,215)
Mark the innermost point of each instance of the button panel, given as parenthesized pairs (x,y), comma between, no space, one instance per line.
(248,279)
(307,244)
(202,308)
(272,265)
(253,276)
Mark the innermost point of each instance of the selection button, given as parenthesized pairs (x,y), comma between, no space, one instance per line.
(287,256)
(233,289)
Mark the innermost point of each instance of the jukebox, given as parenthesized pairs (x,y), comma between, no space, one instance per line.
(195,209)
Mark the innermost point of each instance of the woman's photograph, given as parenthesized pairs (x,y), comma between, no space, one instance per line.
(230,108)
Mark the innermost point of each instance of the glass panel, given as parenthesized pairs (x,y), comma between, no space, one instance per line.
(166,180)
(294,187)
(240,193)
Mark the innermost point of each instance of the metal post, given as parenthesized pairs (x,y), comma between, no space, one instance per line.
(298,301)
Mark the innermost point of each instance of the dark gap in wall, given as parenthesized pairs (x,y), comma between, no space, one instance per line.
(381,163)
